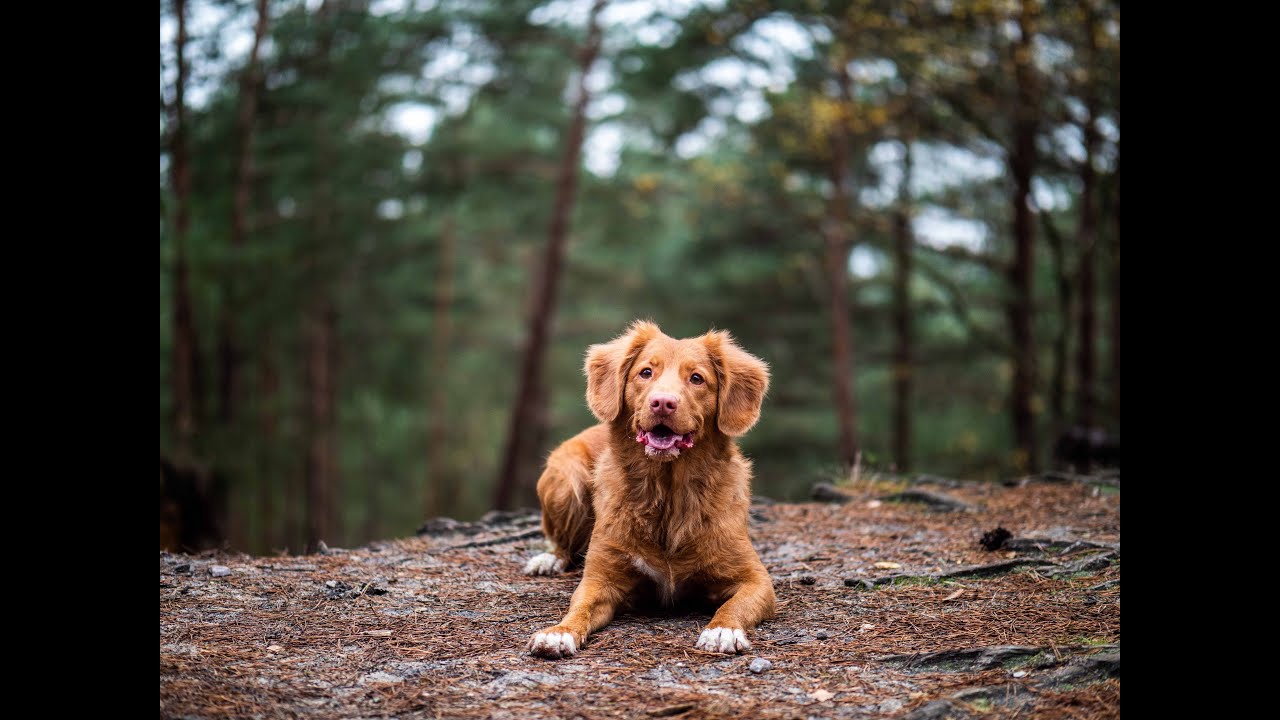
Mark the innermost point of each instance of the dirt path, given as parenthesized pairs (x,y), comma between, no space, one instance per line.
(887,608)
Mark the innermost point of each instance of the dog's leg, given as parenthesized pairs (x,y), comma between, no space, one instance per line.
(605,583)
(752,601)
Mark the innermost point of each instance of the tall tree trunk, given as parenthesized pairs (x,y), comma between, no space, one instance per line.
(321,466)
(519,457)
(320,322)
(902,354)
(229,359)
(186,353)
(1061,341)
(837,244)
(268,388)
(1115,299)
(441,489)
(1022,163)
(1087,241)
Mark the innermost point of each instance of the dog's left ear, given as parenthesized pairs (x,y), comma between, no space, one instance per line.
(744,380)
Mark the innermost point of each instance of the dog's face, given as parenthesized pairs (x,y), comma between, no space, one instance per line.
(674,392)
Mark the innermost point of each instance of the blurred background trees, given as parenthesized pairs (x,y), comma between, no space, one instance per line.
(390,229)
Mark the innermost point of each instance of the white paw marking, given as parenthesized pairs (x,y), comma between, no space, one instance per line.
(723,639)
(544,564)
(553,645)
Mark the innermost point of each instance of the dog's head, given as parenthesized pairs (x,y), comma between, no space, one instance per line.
(673,392)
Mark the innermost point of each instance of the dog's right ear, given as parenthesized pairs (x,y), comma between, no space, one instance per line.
(608,365)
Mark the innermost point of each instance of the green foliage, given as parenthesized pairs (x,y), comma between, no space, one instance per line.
(345,207)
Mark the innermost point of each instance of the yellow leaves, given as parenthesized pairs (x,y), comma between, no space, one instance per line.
(858,119)
(877,115)
(646,183)
(914,44)
(719,182)
(824,114)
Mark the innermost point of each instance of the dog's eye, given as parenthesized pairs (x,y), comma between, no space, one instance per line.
(646,373)
(696,379)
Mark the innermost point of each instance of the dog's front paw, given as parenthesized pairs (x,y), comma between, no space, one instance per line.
(554,642)
(544,564)
(723,639)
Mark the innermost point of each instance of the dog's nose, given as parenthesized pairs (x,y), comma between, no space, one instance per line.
(663,403)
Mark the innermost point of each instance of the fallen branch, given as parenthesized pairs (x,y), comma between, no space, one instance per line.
(1057,476)
(943,481)
(970,571)
(980,658)
(1061,547)
(525,535)
(826,492)
(934,501)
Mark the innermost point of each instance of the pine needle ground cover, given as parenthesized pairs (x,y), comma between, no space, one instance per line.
(889,606)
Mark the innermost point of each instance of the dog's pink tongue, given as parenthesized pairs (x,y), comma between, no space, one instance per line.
(664,442)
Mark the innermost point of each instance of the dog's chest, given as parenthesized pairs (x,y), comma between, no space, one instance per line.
(668,580)
(649,571)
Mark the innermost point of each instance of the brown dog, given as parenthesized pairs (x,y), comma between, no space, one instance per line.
(657,494)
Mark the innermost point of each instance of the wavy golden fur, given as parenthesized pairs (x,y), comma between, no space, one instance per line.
(656,496)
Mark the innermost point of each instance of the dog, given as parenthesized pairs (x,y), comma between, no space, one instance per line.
(656,496)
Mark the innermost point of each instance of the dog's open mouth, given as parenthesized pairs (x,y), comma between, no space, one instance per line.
(662,440)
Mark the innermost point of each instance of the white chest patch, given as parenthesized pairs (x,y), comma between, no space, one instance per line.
(666,586)
(644,567)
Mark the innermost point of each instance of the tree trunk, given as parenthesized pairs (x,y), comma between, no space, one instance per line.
(269,537)
(319,391)
(1062,341)
(1022,163)
(902,355)
(186,353)
(1115,299)
(441,489)
(229,359)
(837,246)
(319,324)
(520,455)
(1087,242)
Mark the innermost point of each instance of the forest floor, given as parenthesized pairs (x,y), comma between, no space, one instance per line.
(888,606)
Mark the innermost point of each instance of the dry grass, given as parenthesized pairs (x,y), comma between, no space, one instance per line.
(447,637)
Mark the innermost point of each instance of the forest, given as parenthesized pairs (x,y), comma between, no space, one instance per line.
(389,229)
